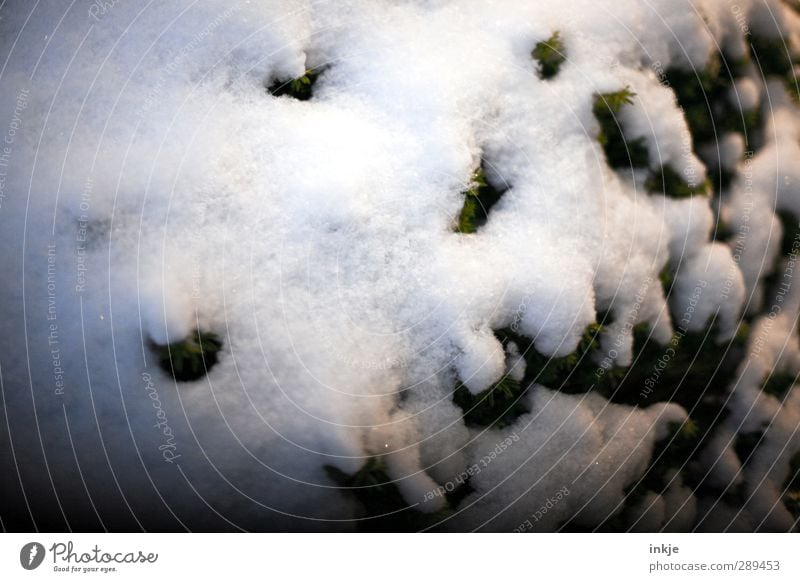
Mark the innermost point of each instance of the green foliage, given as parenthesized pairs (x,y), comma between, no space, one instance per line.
(691,370)
(722,231)
(467,220)
(674,453)
(791,499)
(620,153)
(746,122)
(742,333)
(575,373)
(300,88)
(771,55)
(501,405)
(696,377)
(791,232)
(695,92)
(383,507)
(778,385)
(704,98)
(791,488)
(614,101)
(791,85)
(746,444)
(667,278)
(790,238)
(374,489)
(478,201)
(550,54)
(721,179)
(498,406)
(190,358)
(671,453)
(672,184)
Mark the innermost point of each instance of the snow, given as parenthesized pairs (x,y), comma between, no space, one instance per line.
(701,292)
(316,239)
(593,448)
(731,150)
(745,94)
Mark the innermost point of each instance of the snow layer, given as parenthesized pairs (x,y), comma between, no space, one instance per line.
(153,186)
(582,444)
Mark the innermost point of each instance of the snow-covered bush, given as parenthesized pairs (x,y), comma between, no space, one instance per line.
(405,265)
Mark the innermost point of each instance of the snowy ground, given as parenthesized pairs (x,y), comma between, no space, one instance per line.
(151,184)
